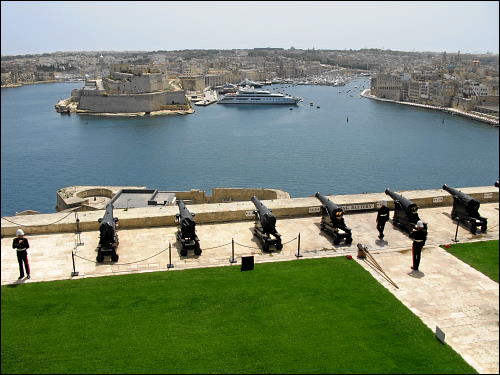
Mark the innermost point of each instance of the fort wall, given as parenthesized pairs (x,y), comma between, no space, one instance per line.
(123,103)
(158,216)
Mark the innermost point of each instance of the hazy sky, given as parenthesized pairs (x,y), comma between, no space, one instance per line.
(48,26)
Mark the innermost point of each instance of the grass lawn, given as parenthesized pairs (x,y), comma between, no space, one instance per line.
(483,256)
(305,316)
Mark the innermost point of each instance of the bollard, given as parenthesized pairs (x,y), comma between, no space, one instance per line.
(79,241)
(232,260)
(74,273)
(169,265)
(456,232)
(298,255)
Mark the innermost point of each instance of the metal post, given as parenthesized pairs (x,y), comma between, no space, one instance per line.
(232,260)
(456,232)
(170,265)
(74,273)
(298,255)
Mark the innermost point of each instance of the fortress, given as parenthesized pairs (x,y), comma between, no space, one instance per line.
(128,90)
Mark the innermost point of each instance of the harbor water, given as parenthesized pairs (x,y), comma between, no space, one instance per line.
(348,145)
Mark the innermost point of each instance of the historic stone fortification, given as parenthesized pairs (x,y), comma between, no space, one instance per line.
(130,91)
(91,198)
(159,216)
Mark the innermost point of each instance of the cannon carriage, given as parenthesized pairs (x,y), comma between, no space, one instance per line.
(108,236)
(332,221)
(265,226)
(186,233)
(405,212)
(465,211)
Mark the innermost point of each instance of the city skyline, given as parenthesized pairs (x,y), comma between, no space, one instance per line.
(468,27)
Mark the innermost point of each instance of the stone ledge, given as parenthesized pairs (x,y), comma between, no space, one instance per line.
(235,211)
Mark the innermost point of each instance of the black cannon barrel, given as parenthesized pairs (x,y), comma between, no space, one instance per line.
(107,227)
(267,219)
(330,206)
(108,216)
(497,184)
(471,203)
(186,220)
(405,202)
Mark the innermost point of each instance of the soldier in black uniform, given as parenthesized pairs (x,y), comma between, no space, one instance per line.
(21,244)
(382,217)
(419,236)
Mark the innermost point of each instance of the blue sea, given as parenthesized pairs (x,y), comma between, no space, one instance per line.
(348,145)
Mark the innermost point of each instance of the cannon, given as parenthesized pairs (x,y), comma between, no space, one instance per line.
(332,219)
(265,226)
(497,184)
(108,239)
(186,233)
(465,210)
(405,212)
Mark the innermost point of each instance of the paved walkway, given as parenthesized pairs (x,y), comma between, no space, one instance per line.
(450,294)
(447,293)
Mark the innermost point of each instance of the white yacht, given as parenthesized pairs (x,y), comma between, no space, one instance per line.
(252,96)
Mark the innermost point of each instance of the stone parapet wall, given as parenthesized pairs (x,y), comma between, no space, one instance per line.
(221,195)
(74,196)
(235,211)
(131,103)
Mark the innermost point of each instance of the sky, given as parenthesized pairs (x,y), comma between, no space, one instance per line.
(30,27)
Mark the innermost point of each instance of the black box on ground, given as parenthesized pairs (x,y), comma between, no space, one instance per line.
(247,263)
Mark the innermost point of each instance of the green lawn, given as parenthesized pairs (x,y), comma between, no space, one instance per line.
(483,256)
(305,316)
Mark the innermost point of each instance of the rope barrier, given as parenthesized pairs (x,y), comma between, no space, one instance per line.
(124,264)
(249,247)
(215,247)
(258,248)
(41,225)
(293,239)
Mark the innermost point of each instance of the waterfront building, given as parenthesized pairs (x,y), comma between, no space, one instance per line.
(388,86)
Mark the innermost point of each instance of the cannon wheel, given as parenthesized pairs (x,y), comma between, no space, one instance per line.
(99,258)
(184,252)
(473,228)
(114,256)
(265,247)
(336,240)
(279,246)
(197,249)
(348,240)
(483,228)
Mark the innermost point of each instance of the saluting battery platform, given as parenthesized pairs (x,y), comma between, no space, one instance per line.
(465,210)
(405,212)
(265,226)
(332,220)
(186,233)
(108,239)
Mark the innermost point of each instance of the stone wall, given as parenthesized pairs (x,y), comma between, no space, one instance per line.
(131,103)
(235,211)
(220,195)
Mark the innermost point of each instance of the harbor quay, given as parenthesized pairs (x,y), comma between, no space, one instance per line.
(445,292)
(483,118)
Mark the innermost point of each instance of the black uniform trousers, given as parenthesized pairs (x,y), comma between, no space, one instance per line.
(380,227)
(22,257)
(416,252)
